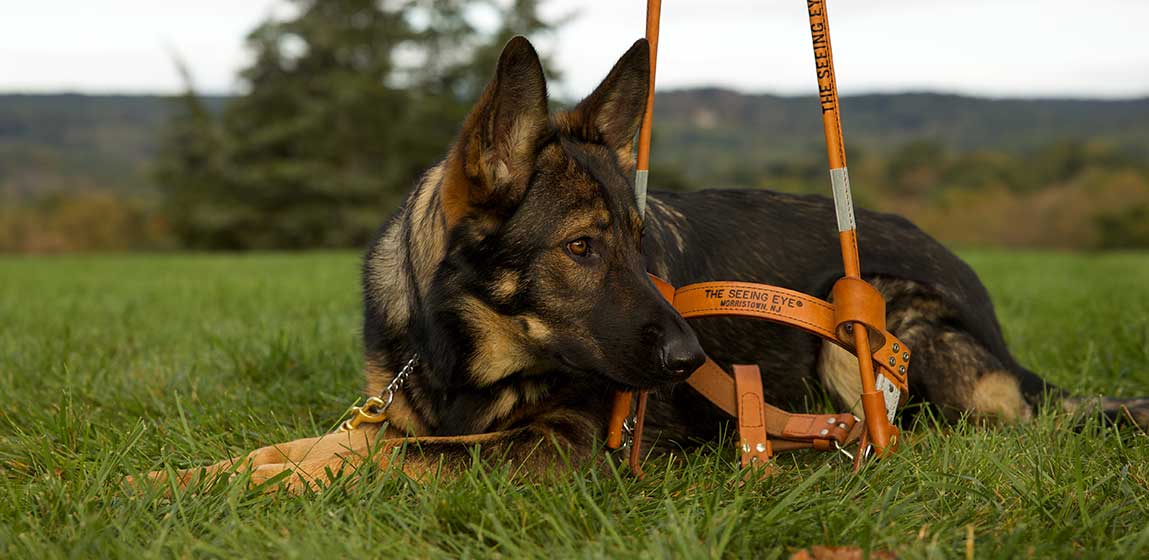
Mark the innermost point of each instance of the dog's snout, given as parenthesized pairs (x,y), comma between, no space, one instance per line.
(681,354)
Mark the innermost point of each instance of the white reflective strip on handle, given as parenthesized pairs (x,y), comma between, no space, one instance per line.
(843,201)
(640,178)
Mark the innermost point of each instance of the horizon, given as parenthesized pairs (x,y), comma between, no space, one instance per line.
(881,48)
(662,90)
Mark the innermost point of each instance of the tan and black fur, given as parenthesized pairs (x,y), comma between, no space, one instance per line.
(522,337)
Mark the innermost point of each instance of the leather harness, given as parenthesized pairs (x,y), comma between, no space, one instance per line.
(762,428)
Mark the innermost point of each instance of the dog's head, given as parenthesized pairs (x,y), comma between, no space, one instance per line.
(543,266)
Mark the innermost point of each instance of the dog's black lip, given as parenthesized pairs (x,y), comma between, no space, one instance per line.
(614,381)
(567,363)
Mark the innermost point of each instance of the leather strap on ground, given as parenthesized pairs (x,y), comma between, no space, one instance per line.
(787,430)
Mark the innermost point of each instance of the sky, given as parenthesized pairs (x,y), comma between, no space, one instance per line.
(997,48)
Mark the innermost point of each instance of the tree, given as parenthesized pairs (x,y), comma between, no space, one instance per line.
(347,102)
(191,169)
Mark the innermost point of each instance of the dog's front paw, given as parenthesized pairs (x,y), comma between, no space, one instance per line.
(306,476)
(183,478)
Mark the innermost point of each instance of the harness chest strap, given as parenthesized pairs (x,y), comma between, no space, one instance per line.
(856,302)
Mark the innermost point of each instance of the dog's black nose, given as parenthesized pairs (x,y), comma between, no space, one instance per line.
(681,355)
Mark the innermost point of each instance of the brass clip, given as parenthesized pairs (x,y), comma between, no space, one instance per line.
(373,411)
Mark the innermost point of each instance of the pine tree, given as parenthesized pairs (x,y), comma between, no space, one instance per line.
(346,103)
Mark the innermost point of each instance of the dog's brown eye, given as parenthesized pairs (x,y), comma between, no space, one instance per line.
(579,247)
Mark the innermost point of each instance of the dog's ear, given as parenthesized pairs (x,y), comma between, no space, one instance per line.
(491,161)
(612,114)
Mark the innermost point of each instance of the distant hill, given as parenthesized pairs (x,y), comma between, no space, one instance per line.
(62,142)
(705,130)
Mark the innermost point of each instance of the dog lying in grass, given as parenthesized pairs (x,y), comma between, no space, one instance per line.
(512,284)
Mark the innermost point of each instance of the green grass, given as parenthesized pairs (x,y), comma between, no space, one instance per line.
(113,365)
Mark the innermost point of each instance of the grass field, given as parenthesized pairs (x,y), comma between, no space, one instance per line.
(113,365)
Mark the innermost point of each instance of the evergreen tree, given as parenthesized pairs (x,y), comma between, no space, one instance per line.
(346,103)
(191,169)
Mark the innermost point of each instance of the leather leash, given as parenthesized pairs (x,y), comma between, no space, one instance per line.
(855,321)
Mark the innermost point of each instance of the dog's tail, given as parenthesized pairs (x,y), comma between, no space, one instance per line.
(1120,410)
(1037,391)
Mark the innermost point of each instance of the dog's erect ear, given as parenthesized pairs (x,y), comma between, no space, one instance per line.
(612,114)
(491,162)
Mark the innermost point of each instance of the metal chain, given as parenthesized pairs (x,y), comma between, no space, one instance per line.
(374,409)
(398,381)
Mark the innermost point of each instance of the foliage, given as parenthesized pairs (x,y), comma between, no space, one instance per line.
(85,221)
(1019,173)
(141,362)
(1064,195)
(347,102)
(1124,228)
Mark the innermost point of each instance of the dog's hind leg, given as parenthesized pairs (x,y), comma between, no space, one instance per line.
(954,372)
(951,370)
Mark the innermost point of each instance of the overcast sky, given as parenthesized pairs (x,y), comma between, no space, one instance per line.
(1046,48)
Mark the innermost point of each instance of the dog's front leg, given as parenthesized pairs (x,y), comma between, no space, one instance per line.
(556,441)
(346,448)
(529,450)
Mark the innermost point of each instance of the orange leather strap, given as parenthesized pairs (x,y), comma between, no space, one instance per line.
(787,430)
(755,447)
(789,307)
(620,409)
(636,445)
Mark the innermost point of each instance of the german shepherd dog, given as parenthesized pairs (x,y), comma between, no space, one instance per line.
(514,280)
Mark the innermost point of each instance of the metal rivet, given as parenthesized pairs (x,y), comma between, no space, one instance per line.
(849,327)
(901,369)
(896,347)
(893,360)
(843,426)
(905,356)
(761,447)
(823,432)
(831,420)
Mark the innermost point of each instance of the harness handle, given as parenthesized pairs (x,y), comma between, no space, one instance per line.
(883,434)
(623,400)
(642,165)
